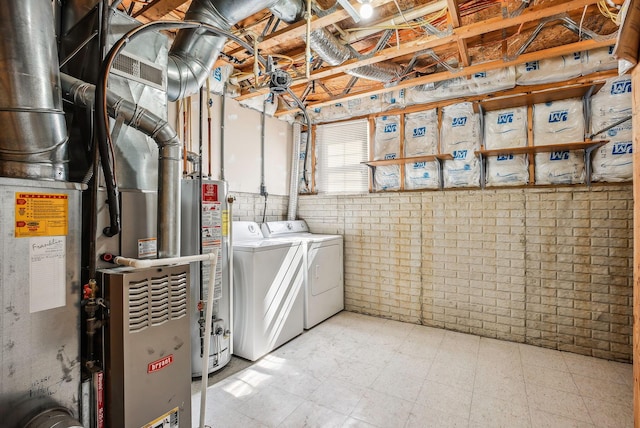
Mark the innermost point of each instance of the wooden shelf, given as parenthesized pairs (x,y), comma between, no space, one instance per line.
(399,161)
(539,96)
(588,144)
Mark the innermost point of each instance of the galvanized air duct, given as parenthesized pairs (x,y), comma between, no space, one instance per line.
(295,166)
(194,51)
(329,48)
(33,141)
(82,94)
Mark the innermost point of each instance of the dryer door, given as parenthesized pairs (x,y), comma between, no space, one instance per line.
(325,267)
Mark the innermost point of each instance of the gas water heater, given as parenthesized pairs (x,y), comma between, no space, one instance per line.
(205,226)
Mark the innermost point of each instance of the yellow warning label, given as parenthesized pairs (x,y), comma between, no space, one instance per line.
(41,214)
(168,420)
(225,223)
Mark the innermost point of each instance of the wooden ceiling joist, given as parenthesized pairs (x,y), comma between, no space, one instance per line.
(158,9)
(468,71)
(464,32)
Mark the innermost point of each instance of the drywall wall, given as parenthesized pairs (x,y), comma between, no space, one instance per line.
(547,266)
(242,145)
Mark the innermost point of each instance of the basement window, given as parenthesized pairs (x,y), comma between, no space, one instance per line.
(340,150)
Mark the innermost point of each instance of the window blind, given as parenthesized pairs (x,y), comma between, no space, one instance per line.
(340,149)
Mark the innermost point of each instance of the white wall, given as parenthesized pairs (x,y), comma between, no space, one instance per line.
(242,145)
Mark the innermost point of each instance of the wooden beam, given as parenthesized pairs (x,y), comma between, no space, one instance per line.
(465,32)
(158,9)
(454,12)
(464,53)
(635,88)
(298,29)
(476,68)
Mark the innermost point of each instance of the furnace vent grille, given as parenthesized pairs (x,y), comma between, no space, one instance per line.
(178,296)
(138,306)
(140,70)
(153,301)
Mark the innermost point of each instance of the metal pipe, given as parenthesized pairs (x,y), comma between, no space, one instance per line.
(307,51)
(167,261)
(33,141)
(295,164)
(83,94)
(223,114)
(207,336)
(263,187)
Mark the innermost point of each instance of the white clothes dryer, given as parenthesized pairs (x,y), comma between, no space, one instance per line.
(267,291)
(324,273)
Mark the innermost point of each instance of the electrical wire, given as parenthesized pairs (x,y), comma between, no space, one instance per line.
(604,9)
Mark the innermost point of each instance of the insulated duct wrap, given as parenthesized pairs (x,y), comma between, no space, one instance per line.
(33,142)
(329,48)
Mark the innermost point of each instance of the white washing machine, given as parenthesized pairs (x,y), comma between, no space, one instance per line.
(267,291)
(324,273)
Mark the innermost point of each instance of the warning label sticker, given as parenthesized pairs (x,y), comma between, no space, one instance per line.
(41,214)
(168,420)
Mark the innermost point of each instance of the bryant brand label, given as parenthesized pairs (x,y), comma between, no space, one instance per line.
(532,66)
(389,156)
(505,118)
(459,121)
(418,165)
(209,192)
(504,157)
(558,116)
(160,364)
(480,75)
(623,87)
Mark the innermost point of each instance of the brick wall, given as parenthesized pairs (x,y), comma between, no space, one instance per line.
(250,207)
(548,266)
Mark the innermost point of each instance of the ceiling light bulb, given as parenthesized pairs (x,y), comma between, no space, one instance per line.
(366,11)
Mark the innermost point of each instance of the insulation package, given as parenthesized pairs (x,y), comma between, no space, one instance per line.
(559,122)
(505,129)
(549,70)
(394,99)
(492,81)
(386,145)
(267,102)
(613,161)
(600,59)
(365,105)
(219,76)
(421,139)
(460,136)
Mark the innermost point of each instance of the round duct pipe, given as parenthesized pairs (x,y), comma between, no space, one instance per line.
(33,142)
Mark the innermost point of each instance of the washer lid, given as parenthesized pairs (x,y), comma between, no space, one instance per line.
(265,244)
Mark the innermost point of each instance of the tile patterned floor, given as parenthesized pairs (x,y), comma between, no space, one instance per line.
(360,371)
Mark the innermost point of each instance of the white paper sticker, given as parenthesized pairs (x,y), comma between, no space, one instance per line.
(47,272)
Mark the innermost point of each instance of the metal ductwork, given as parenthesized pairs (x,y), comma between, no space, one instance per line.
(194,51)
(82,94)
(33,142)
(329,48)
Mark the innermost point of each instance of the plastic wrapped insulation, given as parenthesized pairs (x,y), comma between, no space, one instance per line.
(386,145)
(550,70)
(258,103)
(555,123)
(421,139)
(460,136)
(600,59)
(613,162)
(505,129)
(219,76)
